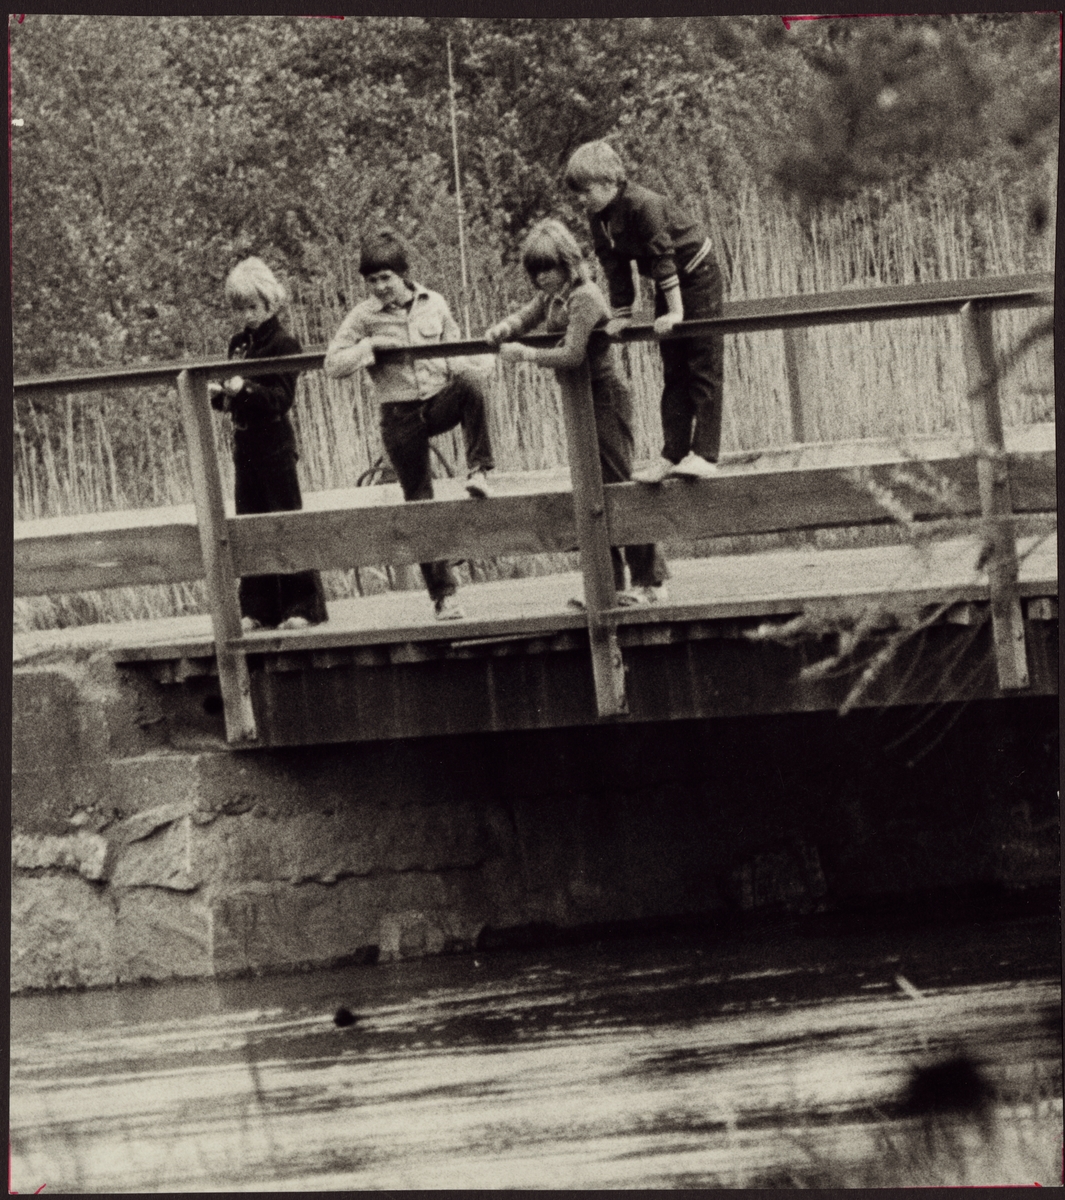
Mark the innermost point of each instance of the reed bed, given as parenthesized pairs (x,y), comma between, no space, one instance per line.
(87,453)
(1013,1144)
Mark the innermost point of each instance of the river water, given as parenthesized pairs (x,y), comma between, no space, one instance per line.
(687,1060)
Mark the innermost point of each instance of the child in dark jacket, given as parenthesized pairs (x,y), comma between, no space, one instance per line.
(264,444)
(567,302)
(633,224)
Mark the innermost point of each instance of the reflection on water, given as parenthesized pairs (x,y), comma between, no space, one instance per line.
(625,1064)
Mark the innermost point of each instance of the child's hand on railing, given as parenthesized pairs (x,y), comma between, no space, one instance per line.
(616,324)
(514,352)
(494,334)
(665,323)
(218,396)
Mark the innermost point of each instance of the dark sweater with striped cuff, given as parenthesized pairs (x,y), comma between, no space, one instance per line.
(641,226)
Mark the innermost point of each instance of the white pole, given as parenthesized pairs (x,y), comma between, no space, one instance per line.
(458,195)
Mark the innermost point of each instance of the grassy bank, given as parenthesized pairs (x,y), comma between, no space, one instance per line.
(90,453)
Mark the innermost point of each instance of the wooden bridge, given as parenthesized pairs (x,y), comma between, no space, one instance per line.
(964,607)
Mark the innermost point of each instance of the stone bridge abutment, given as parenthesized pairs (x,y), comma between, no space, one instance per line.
(146,851)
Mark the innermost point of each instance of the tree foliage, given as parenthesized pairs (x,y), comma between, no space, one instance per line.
(150,153)
(901,97)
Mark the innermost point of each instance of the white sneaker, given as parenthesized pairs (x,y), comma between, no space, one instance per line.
(658,470)
(477,485)
(639,596)
(447,609)
(694,466)
(250,624)
(295,623)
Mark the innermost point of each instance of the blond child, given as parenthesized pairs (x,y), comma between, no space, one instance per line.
(569,303)
(264,443)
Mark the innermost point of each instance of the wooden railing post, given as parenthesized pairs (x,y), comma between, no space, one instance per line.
(217,558)
(996,505)
(794,362)
(589,504)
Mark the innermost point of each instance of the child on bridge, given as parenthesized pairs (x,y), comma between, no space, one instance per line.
(264,444)
(569,303)
(420,397)
(633,224)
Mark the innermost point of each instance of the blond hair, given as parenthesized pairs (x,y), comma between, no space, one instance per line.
(252,279)
(594,162)
(550,244)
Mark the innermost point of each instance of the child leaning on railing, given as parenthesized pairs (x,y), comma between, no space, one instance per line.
(631,224)
(569,303)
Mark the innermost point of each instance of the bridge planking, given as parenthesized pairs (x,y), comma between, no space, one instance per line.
(770,584)
(381,667)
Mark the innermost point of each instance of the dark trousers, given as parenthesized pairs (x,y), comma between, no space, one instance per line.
(612,402)
(407,426)
(268,483)
(693,371)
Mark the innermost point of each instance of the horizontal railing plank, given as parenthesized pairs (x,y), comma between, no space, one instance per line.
(404,533)
(732,505)
(828,497)
(79,562)
(738,316)
(787,489)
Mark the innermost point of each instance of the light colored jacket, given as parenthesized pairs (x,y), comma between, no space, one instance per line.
(426,322)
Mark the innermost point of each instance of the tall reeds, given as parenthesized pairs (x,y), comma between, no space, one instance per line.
(125,450)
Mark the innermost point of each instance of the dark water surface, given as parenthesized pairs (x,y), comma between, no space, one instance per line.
(683,1061)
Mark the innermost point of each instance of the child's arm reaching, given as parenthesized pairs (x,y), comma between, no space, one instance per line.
(584,315)
(653,230)
(675,313)
(527,317)
(262,396)
(350,349)
(618,271)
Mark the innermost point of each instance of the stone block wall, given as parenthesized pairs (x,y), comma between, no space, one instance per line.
(140,852)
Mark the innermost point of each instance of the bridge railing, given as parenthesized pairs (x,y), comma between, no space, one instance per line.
(594,517)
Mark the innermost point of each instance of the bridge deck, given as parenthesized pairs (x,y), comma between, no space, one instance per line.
(719,588)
